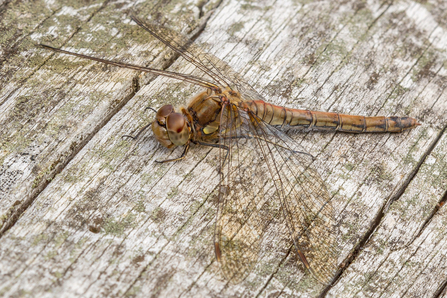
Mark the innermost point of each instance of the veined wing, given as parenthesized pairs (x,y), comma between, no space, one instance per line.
(179,76)
(264,170)
(217,70)
(220,73)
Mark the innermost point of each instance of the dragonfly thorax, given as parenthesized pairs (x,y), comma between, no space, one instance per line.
(170,128)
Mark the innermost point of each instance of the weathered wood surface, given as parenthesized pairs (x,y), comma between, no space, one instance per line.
(86,213)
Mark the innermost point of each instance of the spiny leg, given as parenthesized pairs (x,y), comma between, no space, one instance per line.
(143,129)
(254,137)
(215,146)
(211,145)
(138,134)
(178,158)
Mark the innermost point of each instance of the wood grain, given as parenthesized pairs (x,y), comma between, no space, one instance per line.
(87,213)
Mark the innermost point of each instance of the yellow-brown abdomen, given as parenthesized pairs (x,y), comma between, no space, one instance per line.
(277,115)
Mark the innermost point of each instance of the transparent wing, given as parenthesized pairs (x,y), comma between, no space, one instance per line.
(217,70)
(169,74)
(261,167)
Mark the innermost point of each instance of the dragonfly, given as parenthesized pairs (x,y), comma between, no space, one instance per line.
(264,174)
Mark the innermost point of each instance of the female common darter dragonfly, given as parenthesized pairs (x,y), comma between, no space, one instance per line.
(263,173)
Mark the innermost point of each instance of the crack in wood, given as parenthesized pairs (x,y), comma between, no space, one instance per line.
(201,276)
(375,224)
(26,202)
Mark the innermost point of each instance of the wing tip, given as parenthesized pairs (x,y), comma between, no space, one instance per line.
(217,251)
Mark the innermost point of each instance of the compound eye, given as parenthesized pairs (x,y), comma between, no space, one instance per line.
(161,134)
(175,122)
(164,112)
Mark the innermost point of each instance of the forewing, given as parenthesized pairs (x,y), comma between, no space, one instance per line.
(263,167)
(178,76)
(217,70)
(239,225)
(260,166)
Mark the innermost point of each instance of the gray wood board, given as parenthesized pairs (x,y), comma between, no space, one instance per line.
(85,212)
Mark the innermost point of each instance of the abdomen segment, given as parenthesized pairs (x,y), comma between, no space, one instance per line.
(277,115)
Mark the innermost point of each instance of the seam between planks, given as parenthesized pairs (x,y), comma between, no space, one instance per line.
(195,36)
(29,199)
(375,224)
(135,87)
(17,212)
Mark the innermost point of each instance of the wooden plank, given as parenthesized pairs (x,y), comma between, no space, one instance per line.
(49,112)
(22,103)
(405,257)
(114,222)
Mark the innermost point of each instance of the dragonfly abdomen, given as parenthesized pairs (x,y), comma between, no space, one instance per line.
(278,115)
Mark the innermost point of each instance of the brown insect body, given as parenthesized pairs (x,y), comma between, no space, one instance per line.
(204,109)
(260,167)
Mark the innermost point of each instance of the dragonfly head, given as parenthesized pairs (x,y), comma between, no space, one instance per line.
(170,128)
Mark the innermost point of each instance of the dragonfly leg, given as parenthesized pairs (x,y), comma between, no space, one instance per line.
(212,145)
(143,129)
(138,134)
(178,158)
(151,108)
(216,146)
(273,143)
(288,149)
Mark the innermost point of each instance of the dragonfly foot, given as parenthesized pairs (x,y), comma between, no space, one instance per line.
(178,158)
(170,160)
(305,153)
(138,134)
(128,136)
